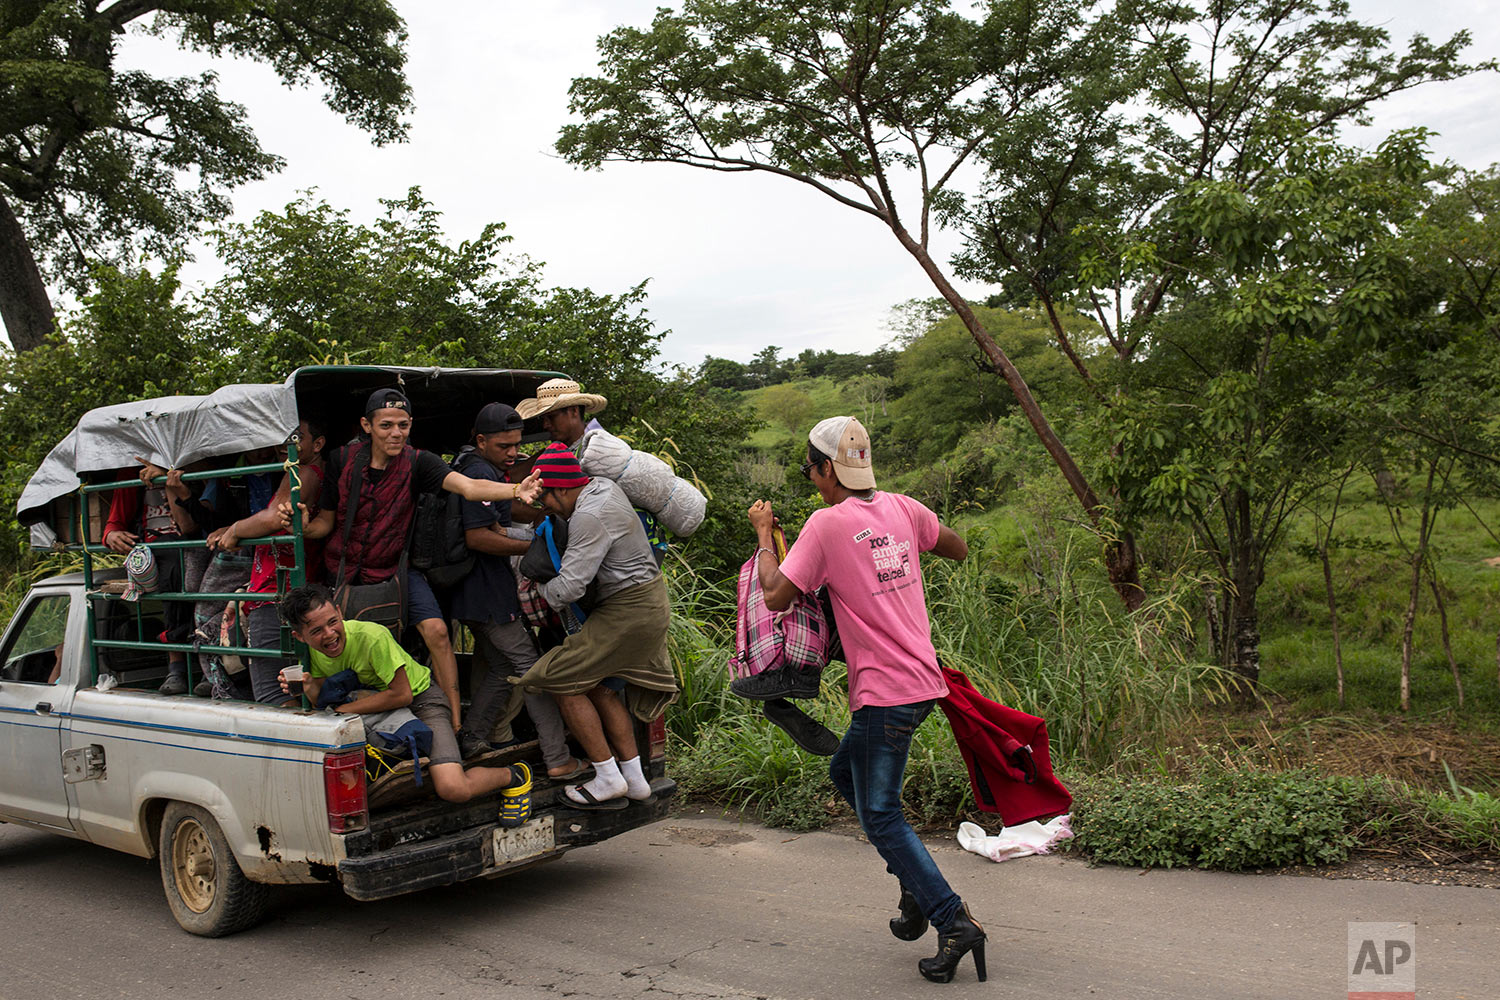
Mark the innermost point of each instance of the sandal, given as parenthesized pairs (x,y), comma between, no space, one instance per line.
(589,802)
(515,799)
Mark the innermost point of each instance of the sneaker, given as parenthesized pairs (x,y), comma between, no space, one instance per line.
(174,684)
(785,682)
(805,731)
(203,689)
(470,745)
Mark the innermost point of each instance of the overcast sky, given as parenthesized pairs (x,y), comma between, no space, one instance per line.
(735,262)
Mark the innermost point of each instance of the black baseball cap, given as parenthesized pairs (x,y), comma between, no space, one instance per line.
(387,399)
(496,418)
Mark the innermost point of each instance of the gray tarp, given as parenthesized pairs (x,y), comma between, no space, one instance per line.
(171,432)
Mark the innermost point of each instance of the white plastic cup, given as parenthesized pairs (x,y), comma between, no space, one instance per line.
(293,677)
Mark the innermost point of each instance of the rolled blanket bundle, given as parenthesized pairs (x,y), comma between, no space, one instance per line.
(648,482)
(603,454)
(684,510)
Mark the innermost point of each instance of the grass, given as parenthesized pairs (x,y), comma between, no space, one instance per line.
(1371,582)
(1105,681)
(785,429)
(31,569)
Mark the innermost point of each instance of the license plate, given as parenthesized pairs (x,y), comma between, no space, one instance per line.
(525,841)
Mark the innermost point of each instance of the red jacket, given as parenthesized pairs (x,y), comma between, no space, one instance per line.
(381,513)
(988,734)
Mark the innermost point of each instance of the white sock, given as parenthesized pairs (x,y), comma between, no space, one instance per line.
(636,785)
(607,782)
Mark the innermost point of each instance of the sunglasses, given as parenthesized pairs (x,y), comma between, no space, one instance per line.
(807,468)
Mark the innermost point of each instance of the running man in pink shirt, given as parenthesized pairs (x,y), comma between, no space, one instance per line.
(864,546)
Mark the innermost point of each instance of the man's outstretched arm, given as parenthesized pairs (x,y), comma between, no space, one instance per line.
(950,544)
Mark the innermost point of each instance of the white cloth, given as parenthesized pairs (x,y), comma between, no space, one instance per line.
(1015,841)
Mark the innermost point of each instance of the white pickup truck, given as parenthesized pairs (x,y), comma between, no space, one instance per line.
(233,797)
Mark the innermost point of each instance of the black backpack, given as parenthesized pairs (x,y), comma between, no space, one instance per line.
(438,549)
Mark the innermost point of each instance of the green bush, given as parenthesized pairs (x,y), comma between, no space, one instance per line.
(1222,818)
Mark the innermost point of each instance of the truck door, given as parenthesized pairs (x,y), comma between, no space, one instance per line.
(34,695)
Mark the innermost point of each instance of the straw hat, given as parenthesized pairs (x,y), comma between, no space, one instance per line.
(557,393)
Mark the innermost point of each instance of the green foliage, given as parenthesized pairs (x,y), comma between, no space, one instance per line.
(1107,684)
(132,339)
(94,158)
(309,282)
(722,373)
(769,368)
(1301,347)
(990,462)
(943,387)
(1468,819)
(1223,818)
(310,285)
(1236,818)
(789,407)
(1079,199)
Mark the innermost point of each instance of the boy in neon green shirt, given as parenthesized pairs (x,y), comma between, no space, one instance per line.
(398,681)
(373,654)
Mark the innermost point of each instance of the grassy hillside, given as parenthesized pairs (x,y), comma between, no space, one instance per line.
(1370,585)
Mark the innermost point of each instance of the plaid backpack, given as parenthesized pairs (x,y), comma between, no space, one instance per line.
(768,640)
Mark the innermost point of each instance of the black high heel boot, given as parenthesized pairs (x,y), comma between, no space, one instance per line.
(911,924)
(962,936)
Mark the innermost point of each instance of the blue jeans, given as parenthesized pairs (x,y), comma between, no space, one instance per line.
(867,769)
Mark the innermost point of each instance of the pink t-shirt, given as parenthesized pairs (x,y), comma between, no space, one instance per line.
(866,552)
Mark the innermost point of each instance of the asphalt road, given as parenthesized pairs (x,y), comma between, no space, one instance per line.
(701,907)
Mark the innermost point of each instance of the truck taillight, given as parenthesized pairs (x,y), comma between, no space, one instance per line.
(344,788)
(658,732)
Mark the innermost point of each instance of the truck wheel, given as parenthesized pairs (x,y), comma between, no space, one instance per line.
(208,893)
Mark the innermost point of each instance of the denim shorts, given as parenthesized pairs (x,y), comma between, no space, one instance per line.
(421,603)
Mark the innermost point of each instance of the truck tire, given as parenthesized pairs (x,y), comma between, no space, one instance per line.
(208,893)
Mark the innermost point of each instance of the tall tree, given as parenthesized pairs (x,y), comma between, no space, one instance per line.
(1081,200)
(98,164)
(878,104)
(943,387)
(1305,335)
(1430,395)
(310,282)
(1078,200)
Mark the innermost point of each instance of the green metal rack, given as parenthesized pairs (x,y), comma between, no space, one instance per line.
(286,577)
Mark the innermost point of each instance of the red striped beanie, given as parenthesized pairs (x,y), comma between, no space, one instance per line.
(559,468)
